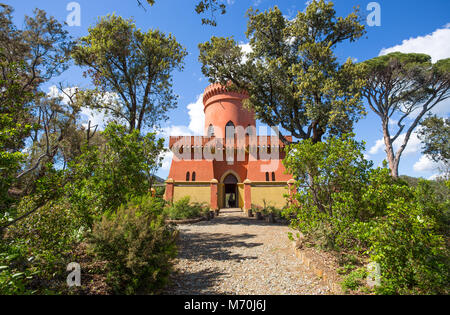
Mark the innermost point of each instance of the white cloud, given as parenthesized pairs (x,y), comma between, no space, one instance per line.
(246,49)
(196,122)
(167,160)
(436,44)
(197,116)
(173,131)
(378,147)
(195,127)
(425,164)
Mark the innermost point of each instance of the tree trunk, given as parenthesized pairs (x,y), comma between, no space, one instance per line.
(393,162)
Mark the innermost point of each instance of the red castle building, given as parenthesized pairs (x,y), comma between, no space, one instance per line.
(229,167)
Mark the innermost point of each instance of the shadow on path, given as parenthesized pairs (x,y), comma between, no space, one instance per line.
(215,246)
(205,248)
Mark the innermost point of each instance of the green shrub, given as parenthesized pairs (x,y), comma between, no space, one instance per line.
(330,177)
(36,250)
(15,270)
(354,280)
(412,255)
(184,209)
(104,177)
(148,204)
(345,205)
(138,247)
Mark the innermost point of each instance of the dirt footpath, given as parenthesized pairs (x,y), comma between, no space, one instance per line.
(233,254)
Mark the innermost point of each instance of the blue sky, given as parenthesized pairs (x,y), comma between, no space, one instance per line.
(406,25)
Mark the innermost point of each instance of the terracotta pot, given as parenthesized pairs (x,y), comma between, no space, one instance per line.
(259,215)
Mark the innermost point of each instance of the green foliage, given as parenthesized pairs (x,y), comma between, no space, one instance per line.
(184,209)
(212,6)
(412,255)
(405,87)
(106,177)
(345,205)
(29,57)
(203,7)
(435,135)
(134,65)
(66,203)
(137,246)
(41,47)
(292,74)
(51,195)
(354,280)
(329,174)
(13,130)
(15,272)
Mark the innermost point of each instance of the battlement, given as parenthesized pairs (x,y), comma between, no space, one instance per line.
(217,89)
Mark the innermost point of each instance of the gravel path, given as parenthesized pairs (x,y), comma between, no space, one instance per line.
(233,254)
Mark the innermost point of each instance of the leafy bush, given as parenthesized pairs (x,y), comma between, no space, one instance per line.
(412,255)
(36,250)
(15,272)
(184,209)
(328,177)
(354,280)
(137,245)
(104,177)
(345,205)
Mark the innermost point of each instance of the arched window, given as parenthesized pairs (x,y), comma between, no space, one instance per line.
(211,131)
(193,176)
(273,176)
(188,175)
(267,177)
(228,126)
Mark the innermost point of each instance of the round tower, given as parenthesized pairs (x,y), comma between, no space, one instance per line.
(223,108)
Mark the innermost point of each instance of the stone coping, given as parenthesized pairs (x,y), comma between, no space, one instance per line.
(328,278)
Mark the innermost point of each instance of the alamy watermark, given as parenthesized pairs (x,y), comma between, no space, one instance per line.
(374,17)
(74,277)
(74,17)
(238,144)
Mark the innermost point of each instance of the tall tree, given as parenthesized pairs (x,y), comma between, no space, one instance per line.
(435,136)
(29,57)
(134,65)
(292,75)
(403,88)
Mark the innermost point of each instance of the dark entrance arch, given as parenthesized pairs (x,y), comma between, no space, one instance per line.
(231,196)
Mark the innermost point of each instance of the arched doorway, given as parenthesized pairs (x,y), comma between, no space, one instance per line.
(231,193)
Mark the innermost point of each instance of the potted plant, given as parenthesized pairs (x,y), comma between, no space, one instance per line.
(217,211)
(270,214)
(258,212)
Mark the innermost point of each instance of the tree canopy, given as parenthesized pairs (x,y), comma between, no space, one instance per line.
(435,135)
(292,75)
(402,89)
(133,65)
